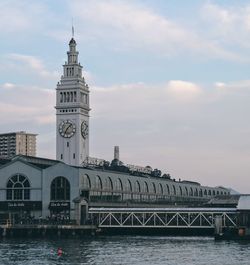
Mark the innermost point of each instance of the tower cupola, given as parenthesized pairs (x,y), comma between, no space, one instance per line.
(72,53)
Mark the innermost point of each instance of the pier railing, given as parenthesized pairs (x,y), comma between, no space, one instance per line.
(162,217)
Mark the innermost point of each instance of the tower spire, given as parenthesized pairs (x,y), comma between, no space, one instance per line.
(72,28)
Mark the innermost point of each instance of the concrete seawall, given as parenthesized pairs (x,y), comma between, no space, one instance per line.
(48,230)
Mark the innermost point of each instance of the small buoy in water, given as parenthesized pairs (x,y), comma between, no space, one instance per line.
(241,232)
(59,252)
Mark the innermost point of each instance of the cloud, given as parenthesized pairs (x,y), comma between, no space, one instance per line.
(124,100)
(129,25)
(22,16)
(236,87)
(29,108)
(152,123)
(183,91)
(8,85)
(26,104)
(32,63)
(228,24)
(192,131)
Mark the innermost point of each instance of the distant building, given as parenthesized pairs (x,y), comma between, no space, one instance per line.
(15,143)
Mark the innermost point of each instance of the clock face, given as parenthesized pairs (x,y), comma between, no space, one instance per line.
(84,129)
(67,129)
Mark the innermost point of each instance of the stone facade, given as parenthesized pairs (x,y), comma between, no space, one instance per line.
(72,112)
(42,187)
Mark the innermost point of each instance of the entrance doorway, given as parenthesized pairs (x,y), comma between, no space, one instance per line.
(83,216)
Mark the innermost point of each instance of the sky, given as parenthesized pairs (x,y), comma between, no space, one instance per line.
(169,80)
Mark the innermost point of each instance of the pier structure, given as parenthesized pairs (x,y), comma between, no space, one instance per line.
(189,218)
(175,221)
(47,230)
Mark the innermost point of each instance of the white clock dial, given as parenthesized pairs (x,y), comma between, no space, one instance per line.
(84,129)
(67,129)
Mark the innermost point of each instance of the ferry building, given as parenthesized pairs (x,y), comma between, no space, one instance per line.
(67,186)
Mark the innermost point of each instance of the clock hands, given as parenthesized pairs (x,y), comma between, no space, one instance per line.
(69,126)
(84,129)
(67,129)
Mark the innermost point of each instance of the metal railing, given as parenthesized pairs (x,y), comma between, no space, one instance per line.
(162,218)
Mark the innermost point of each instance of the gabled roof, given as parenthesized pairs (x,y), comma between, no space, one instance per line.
(4,161)
(37,162)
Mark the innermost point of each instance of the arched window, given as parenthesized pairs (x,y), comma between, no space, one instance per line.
(174,190)
(186,191)
(128,186)
(98,183)
(153,187)
(145,187)
(168,190)
(200,193)
(196,193)
(86,184)
(127,195)
(191,192)
(209,192)
(18,188)
(137,190)
(137,186)
(180,190)
(145,190)
(118,185)
(205,193)
(214,192)
(109,184)
(60,189)
(160,188)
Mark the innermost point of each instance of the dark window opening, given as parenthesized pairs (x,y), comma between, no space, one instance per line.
(60,189)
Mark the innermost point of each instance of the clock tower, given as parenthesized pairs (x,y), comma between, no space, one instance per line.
(72,112)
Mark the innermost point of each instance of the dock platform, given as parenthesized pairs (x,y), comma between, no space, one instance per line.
(48,230)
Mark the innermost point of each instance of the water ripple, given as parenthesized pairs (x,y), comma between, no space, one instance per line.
(127,250)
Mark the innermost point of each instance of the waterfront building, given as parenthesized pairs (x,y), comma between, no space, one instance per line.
(15,143)
(66,187)
(43,187)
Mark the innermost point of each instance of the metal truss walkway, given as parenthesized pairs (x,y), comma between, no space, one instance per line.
(163,217)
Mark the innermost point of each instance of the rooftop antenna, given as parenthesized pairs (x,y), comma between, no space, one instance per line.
(72,28)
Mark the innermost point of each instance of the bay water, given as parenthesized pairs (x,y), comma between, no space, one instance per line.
(129,250)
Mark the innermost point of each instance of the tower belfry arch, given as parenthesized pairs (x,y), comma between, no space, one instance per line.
(72,111)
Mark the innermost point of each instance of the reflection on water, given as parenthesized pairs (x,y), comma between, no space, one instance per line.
(125,250)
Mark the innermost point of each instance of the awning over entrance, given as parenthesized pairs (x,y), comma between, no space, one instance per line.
(59,205)
(20,205)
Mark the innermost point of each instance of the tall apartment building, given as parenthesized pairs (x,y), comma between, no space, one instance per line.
(15,143)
